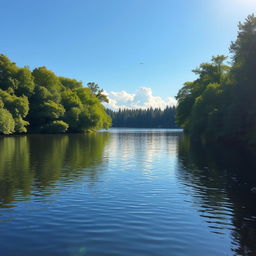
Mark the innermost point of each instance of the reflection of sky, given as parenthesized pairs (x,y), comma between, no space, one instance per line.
(154,154)
(132,202)
(144,149)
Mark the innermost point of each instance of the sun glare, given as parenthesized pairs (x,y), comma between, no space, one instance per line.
(245,3)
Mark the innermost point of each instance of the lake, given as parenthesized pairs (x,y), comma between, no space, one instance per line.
(125,192)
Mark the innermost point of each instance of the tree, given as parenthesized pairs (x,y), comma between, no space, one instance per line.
(25,82)
(193,105)
(8,72)
(244,52)
(70,83)
(46,78)
(44,102)
(144,118)
(99,93)
(7,123)
(221,103)
(244,78)
(55,127)
(18,107)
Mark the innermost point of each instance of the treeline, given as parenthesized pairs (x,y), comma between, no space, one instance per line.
(40,101)
(220,103)
(144,118)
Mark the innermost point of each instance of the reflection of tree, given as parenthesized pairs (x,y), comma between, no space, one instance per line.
(14,167)
(220,178)
(37,162)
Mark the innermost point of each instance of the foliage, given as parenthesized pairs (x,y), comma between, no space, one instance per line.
(6,122)
(220,103)
(18,108)
(99,93)
(46,78)
(70,83)
(8,71)
(144,118)
(44,102)
(55,127)
(26,83)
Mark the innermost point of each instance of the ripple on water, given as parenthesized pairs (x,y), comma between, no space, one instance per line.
(135,197)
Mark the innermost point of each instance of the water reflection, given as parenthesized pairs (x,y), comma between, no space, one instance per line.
(220,179)
(14,168)
(139,192)
(32,165)
(145,149)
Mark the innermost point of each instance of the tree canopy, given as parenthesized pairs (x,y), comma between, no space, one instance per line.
(220,103)
(40,101)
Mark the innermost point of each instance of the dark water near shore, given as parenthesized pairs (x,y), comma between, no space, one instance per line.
(126,192)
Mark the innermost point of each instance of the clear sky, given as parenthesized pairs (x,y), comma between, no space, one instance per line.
(121,44)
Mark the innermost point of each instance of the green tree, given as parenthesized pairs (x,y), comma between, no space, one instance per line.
(55,127)
(51,111)
(70,83)
(144,118)
(7,123)
(206,116)
(45,102)
(8,72)
(26,83)
(244,78)
(199,98)
(221,102)
(46,78)
(95,89)
(18,107)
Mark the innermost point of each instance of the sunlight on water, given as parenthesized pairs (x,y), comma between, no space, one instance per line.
(124,192)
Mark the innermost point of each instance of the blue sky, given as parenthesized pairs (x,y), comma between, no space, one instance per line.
(106,41)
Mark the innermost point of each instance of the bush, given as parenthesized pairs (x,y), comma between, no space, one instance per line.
(55,127)
(7,123)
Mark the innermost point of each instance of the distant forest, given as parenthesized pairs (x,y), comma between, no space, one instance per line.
(144,118)
(221,103)
(39,101)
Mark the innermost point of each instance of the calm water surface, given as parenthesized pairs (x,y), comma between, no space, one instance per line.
(125,192)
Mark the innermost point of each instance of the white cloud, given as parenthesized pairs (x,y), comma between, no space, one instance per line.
(143,98)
